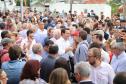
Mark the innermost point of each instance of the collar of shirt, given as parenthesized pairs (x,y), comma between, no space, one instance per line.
(63,39)
(12,61)
(83,41)
(85,80)
(121,55)
(37,55)
(26,40)
(101,65)
(40,31)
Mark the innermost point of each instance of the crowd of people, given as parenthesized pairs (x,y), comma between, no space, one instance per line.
(62,48)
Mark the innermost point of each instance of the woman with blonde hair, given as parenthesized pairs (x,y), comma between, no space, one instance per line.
(59,76)
(3,77)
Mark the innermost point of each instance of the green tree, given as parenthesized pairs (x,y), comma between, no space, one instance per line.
(45,1)
(115,5)
(27,2)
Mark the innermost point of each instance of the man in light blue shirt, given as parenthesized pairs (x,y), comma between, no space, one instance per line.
(118,62)
(82,48)
(40,34)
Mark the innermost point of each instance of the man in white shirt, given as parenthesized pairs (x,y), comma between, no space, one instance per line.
(28,42)
(23,31)
(98,38)
(65,50)
(104,54)
(101,72)
(37,52)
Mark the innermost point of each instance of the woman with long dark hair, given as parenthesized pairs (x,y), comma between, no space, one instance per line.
(31,73)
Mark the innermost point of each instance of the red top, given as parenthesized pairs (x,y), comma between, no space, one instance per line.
(5,56)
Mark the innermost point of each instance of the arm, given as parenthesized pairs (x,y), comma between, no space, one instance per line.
(83,52)
(111,76)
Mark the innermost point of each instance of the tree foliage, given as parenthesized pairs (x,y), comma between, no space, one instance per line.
(45,1)
(27,2)
(115,5)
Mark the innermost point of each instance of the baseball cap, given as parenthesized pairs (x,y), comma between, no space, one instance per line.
(101,32)
(75,33)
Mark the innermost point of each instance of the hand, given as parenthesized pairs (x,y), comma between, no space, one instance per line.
(24,47)
(68,49)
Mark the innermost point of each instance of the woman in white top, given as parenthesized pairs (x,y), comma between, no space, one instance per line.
(31,72)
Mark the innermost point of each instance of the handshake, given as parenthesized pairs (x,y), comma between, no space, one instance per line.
(69,49)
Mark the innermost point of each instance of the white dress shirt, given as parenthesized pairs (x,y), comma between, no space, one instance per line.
(40,36)
(105,56)
(63,44)
(37,81)
(118,63)
(103,74)
(36,57)
(25,42)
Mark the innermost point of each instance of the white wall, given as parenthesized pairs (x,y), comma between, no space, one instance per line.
(8,6)
(81,7)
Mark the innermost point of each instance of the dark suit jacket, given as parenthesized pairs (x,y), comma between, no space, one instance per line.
(47,66)
(86,82)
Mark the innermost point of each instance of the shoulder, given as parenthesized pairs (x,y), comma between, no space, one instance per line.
(59,40)
(20,63)
(4,64)
(106,65)
(45,60)
(41,81)
(27,81)
(84,45)
(24,40)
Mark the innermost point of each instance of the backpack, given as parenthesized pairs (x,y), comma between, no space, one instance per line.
(79,49)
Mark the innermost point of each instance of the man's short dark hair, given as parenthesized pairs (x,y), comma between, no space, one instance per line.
(83,35)
(95,45)
(14,52)
(4,34)
(48,42)
(120,78)
(87,30)
(63,30)
(29,32)
(53,49)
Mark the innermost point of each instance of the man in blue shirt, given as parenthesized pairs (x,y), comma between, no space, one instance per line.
(82,48)
(40,34)
(48,43)
(14,67)
(118,62)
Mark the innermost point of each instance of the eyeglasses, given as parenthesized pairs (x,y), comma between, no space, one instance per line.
(75,74)
(91,56)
